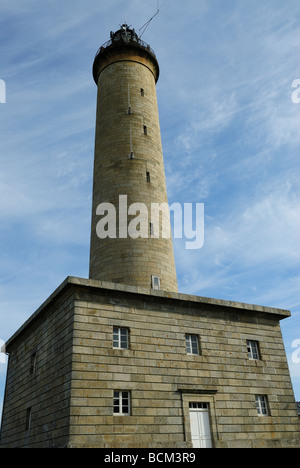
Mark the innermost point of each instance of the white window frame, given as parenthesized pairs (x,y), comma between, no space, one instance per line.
(253,350)
(192,344)
(122,401)
(120,338)
(262,405)
(155,283)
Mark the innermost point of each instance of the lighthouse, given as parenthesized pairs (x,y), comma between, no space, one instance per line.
(129,168)
(121,360)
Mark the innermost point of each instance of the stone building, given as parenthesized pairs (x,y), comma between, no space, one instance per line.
(122,360)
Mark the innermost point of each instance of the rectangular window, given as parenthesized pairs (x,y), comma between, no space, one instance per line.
(121,403)
(142,92)
(155,282)
(262,405)
(33,363)
(28,419)
(120,338)
(199,406)
(253,350)
(192,344)
(145,130)
(148,177)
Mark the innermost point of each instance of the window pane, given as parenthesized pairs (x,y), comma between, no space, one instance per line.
(195,344)
(155,279)
(188,344)
(192,344)
(116,337)
(116,402)
(120,338)
(124,338)
(121,403)
(261,405)
(125,406)
(253,350)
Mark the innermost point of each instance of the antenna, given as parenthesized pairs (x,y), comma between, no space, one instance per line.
(145,26)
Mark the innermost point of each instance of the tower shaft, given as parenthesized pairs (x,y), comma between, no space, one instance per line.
(129,169)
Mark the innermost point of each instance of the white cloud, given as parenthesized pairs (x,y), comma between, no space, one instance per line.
(206,117)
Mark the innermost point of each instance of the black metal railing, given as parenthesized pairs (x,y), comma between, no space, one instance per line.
(133,40)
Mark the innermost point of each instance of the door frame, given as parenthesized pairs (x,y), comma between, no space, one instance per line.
(193,396)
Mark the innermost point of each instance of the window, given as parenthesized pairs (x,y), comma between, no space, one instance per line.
(33,363)
(155,282)
(253,349)
(145,130)
(151,228)
(142,92)
(262,405)
(120,338)
(28,419)
(121,403)
(192,344)
(148,177)
(199,406)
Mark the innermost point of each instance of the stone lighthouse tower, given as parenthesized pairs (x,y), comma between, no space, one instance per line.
(129,169)
(109,362)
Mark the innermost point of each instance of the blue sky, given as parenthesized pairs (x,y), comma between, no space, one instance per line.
(230,136)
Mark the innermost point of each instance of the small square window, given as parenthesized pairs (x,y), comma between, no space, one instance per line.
(121,403)
(253,350)
(155,282)
(120,338)
(262,405)
(192,344)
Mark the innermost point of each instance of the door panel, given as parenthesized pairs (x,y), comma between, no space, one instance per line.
(200,428)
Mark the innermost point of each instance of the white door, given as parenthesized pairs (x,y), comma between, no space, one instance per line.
(200,425)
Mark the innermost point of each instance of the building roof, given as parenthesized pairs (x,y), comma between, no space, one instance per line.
(163,296)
